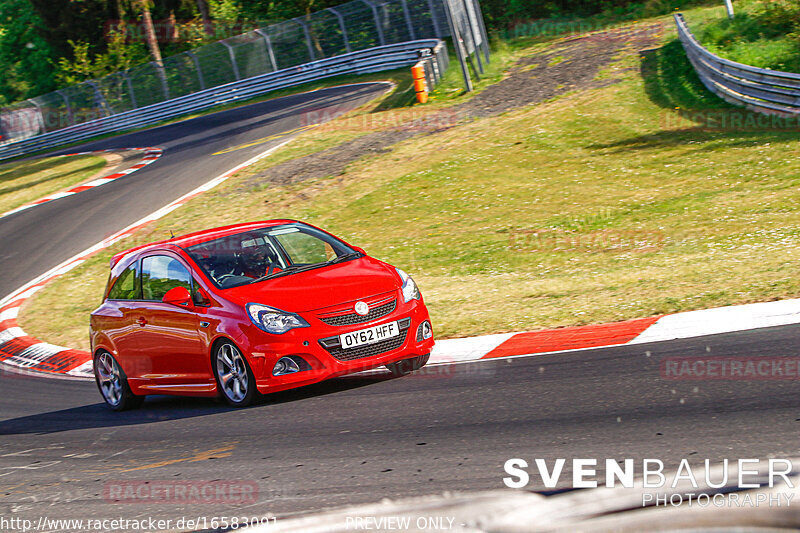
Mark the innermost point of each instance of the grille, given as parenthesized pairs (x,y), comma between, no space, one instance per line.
(352,318)
(369,350)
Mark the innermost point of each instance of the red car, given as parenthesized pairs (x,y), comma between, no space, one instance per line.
(248,309)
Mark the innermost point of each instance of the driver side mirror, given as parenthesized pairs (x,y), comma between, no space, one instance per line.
(359,250)
(178,296)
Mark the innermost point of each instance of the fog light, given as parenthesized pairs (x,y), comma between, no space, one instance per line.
(424,331)
(285,365)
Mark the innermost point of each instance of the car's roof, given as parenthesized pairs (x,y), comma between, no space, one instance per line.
(202,236)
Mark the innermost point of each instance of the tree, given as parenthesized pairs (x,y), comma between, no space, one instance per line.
(82,65)
(208,27)
(152,43)
(78,20)
(25,57)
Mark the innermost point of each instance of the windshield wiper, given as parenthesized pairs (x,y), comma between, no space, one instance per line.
(345,257)
(292,269)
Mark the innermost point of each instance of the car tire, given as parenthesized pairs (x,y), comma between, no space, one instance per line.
(407,366)
(113,384)
(235,380)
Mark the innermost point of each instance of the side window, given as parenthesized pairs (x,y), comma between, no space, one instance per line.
(127,285)
(161,273)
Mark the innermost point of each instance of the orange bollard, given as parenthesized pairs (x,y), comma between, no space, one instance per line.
(420,86)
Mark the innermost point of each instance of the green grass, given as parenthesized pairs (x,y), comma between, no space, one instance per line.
(25,181)
(763,33)
(715,214)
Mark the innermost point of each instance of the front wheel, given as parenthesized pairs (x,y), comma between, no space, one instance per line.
(113,384)
(234,378)
(407,366)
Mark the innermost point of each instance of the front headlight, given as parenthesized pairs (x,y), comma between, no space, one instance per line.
(274,320)
(410,290)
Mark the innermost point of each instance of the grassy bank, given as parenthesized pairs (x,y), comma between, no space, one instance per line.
(25,181)
(601,205)
(763,33)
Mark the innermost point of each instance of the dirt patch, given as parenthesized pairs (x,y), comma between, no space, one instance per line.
(571,64)
(115,162)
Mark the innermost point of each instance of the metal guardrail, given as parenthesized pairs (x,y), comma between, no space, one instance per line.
(766,91)
(388,57)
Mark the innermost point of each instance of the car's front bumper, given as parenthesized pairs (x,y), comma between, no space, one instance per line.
(317,347)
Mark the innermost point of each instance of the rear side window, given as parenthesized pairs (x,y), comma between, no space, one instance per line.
(127,285)
(161,273)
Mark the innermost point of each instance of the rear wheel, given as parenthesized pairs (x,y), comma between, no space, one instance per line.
(407,366)
(235,380)
(113,384)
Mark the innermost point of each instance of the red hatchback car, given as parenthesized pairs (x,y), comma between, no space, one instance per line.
(251,308)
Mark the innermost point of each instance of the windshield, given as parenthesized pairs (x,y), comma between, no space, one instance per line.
(265,253)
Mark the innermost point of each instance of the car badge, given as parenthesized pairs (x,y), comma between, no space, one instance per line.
(361,308)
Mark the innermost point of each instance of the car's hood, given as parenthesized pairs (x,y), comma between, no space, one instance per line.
(321,287)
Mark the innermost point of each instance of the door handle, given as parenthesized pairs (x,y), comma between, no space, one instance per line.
(142,321)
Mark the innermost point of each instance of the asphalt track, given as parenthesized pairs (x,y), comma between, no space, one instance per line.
(359,439)
(355,439)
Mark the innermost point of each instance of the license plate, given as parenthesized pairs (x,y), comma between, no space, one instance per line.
(369,335)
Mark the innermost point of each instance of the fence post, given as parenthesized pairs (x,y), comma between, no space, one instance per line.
(458,46)
(436,29)
(99,98)
(311,55)
(69,108)
(197,68)
(411,33)
(270,53)
(39,114)
(482,26)
(377,21)
(472,31)
(162,75)
(130,88)
(343,28)
(233,60)
(729,8)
